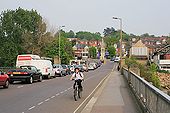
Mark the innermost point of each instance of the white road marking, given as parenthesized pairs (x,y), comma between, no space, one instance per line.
(20,86)
(91,92)
(57,94)
(52,96)
(40,103)
(47,100)
(31,108)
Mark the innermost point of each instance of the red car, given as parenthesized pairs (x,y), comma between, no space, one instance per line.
(4,80)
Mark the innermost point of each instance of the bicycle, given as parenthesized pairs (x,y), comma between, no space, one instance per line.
(77,92)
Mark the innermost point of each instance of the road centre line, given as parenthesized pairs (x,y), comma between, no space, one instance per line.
(47,99)
(57,94)
(40,103)
(53,97)
(31,108)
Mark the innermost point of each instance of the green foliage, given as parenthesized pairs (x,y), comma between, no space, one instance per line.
(17,27)
(150,74)
(70,34)
(66,51)
(112,51)
(112,36)
(130,62)
(92,52)
(88,35)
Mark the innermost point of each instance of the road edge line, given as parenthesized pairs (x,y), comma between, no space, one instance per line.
(92,93)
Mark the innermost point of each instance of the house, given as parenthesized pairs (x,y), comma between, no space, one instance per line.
(161,57)
(154,43)
(91,43)
(81,51)
(139,50)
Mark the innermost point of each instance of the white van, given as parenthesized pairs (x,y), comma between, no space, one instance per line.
(45,66)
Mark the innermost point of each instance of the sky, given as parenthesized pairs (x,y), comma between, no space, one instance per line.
(138,16)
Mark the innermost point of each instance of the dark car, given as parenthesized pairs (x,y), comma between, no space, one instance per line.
(65,67)
(25,73)
(112,59)
(4,80)
(80,67)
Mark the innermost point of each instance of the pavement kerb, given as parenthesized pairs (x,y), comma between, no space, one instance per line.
(85,102)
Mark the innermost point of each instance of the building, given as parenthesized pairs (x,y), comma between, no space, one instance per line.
(81,51)
(139,50)
(161,57)
(154,43)
(91,43)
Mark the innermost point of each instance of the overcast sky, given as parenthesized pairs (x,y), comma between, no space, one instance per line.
(139,16)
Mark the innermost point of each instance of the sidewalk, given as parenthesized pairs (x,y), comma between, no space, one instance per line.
(113,96)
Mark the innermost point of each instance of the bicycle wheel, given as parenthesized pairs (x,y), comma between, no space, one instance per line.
(76,94)
(79,93)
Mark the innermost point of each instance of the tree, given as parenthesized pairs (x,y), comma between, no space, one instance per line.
(92,52)
(108,31)
(88,35)
(112,51)
(22,31)
(66,52)
(70,34)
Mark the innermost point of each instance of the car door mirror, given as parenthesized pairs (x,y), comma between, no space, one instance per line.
(2,73)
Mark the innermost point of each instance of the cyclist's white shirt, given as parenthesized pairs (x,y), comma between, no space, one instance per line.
(78,75)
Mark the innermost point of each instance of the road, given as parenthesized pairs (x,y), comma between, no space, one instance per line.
(50,96)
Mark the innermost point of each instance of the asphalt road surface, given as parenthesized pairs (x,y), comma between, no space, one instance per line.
(50,96)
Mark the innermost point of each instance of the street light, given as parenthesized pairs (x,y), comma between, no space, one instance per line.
(59,36)
(120,19)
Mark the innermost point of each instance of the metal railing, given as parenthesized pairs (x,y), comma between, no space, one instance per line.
(151,98)
(5,69)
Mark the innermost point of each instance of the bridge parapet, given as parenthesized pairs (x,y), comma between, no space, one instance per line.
(151,98)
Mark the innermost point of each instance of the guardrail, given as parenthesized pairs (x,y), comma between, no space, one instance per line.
(5,69)
(151,98)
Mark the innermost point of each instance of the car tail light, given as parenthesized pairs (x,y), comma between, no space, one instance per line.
(24,73)
(9,73)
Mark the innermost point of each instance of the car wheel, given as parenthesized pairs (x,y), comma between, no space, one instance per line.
(30,80)
(11,81)
(6,84)
(61,74)
(40,79)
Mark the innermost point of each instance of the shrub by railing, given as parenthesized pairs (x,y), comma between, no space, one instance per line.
(151,98)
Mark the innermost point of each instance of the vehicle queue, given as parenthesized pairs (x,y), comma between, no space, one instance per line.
(31,68)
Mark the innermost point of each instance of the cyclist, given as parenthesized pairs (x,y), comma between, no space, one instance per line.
(78,77)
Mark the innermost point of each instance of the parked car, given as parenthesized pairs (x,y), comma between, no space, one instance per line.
(71,69)
(45,66)
(4,80)
(85,67)
(65,67)
(25,73)
(80,67)
(93,64)
(90,67)
(58,69)
(112,59)
(117,59)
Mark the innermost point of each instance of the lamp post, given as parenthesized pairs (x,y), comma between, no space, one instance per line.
(120,19)
(59,36)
